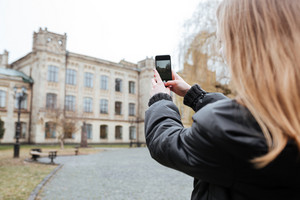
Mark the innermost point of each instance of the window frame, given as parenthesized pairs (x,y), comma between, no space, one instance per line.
(131,109)
(2,99)
(103,106)
(88,104)
(118,132)
(88,79)
(70,99)
(118,108)
(105,127)
(131,87)
(51,130)
(71,76)
(53,72)
(53,105)
(118,84)
(103,82)
(132,135)
(89,131)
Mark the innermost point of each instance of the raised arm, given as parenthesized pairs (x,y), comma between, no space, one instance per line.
(189,150)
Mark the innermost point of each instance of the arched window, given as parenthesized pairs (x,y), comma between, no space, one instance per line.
(71,77)
(118,108)
(104,82)
(118,132)
(118,85)
(2,99)
(103,106)
(23,129)
(88,80)
(131,109)
(89,131)
(132,132)
(50,130)
(69,129)
(51,100)
(52,73)
(103,131)
(131,87)
(88,104)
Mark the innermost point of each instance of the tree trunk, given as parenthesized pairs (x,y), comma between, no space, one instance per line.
(83,142)
(61,143)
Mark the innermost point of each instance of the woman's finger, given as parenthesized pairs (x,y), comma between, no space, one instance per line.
(157,76)
(153,81)
(173,75)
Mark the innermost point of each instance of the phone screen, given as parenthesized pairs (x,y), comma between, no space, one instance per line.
(163,67)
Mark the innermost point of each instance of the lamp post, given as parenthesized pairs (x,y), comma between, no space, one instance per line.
(20,96)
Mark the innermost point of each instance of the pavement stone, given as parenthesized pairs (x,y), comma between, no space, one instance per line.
(116,174)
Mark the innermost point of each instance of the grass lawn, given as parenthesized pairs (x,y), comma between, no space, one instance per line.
(19,178)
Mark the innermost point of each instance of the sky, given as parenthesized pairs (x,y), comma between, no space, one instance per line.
(108,29)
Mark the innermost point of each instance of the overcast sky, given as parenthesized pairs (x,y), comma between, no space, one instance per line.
(108,29)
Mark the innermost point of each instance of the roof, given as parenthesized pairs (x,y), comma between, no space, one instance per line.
(12,72)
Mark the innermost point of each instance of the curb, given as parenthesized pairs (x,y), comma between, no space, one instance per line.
(38,188)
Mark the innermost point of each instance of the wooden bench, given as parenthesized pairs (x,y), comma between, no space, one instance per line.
(36,153)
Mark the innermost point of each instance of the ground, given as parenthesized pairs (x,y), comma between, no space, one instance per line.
(116,174)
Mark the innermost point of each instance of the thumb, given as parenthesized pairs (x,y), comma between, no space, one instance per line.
(170,83)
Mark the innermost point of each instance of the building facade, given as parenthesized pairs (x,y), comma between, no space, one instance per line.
(11,84)
(74,92)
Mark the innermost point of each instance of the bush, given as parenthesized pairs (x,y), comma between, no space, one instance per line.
(2,129)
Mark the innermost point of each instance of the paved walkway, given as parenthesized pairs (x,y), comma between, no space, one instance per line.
(116,174)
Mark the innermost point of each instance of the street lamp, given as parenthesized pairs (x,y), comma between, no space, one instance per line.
(20,96)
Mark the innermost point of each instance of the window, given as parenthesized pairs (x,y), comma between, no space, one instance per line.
(103,131)
(71,77)
(51,101)
(104,82)
(23,102)
(132,133)
(118,108)
(131,109)
(89,131)
(70,103)
(118,85)
(52,73)
(131,87)
(2,98)
(88,79)
(103,106)
(50,130)
(118,132)
(23,129)
(88,104)
(69,129)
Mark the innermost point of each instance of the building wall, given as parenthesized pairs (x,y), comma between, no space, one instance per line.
(50,49)
(9,113)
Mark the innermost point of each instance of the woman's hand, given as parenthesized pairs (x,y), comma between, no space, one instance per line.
(178,85)
(158,85)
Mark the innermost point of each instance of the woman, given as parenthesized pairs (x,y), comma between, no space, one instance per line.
(248,147)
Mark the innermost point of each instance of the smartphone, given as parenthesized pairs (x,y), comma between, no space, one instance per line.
(163,67)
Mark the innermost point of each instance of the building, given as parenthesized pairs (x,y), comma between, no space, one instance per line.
(11,81)
(73,91)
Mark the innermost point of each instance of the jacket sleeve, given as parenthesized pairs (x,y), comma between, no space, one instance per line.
(197,98)
(189,150)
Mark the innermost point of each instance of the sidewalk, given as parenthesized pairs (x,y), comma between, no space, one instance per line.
(115,175)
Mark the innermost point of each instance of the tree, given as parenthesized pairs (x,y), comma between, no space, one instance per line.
(199,48)
(65,124)
(2,129)
(199,56)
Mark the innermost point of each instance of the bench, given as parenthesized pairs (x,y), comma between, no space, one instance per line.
(36,153)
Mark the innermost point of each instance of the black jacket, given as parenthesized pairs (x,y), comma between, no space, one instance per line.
(217,149)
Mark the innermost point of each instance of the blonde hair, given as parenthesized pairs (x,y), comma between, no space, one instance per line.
(262,48)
